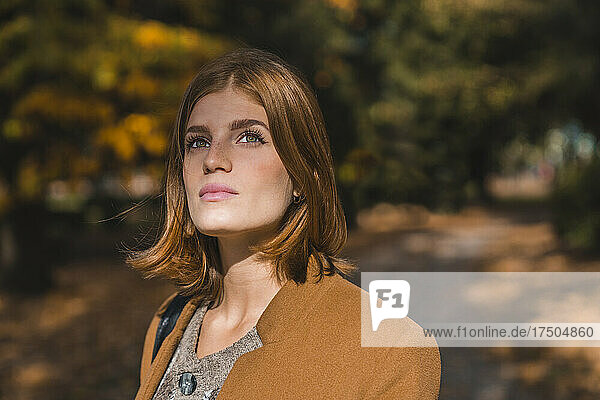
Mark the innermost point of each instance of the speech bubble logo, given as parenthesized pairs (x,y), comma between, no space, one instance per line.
(388,299)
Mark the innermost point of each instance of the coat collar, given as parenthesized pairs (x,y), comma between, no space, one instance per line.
(290,306)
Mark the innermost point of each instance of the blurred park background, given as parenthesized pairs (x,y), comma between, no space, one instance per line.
(465,136)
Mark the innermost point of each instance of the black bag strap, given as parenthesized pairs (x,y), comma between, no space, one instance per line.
(168,320)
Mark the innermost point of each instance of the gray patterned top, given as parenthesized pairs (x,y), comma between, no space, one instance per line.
(191,378)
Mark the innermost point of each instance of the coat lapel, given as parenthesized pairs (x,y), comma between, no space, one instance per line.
(163,357)
(291,305)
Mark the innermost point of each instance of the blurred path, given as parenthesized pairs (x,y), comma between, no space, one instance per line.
(482,240)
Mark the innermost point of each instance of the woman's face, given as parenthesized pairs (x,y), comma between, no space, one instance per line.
(228,142)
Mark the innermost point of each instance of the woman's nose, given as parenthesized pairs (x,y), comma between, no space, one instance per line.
(217,158)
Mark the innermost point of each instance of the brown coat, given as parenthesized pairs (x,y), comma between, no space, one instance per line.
(311,336)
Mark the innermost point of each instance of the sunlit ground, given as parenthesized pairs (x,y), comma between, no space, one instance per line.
(484,240)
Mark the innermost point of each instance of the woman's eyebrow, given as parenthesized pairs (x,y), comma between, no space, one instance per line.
(198,129)
(237,124)
(246,123)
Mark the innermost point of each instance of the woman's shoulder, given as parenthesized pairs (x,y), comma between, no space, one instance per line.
(397,359)
(345,301)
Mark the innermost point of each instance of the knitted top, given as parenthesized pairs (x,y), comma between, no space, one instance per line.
(191,378)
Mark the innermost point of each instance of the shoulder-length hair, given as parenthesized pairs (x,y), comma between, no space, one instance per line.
(312,232)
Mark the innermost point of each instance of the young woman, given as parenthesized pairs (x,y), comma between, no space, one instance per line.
(252,234)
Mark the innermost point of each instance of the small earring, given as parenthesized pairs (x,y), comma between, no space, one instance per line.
(297,199)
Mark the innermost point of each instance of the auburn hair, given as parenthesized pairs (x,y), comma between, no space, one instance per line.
(312,232)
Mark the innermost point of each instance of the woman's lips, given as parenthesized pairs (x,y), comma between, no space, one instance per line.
(216,192)
(216,196)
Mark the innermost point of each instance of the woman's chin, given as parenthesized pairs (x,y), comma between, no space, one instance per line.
(216,231)
(235,231)
(221,230)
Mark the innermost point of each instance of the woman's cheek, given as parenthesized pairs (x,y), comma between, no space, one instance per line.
(191,174)
(271,169)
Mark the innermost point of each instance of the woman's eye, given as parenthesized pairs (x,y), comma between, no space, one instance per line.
(252,137)
(196,142)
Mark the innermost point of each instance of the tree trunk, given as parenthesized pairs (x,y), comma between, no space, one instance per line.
(27,252)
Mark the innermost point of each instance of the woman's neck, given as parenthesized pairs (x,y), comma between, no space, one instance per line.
(249,284)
